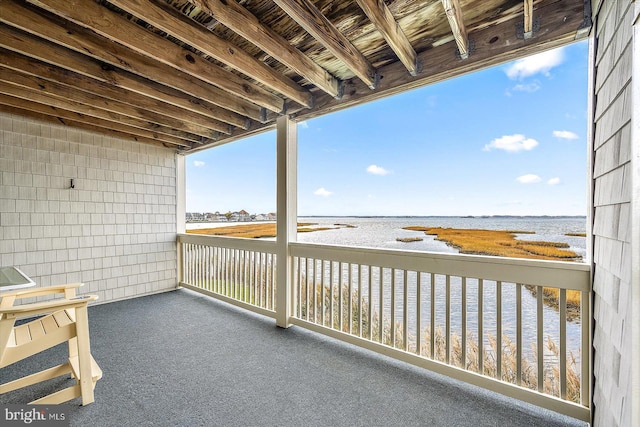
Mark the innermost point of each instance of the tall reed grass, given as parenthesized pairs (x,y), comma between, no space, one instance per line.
(353,318)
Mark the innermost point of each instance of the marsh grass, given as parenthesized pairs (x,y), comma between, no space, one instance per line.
(258,230)
(250,230)
(409,239)
(551,297)
(497,243)
(358,325)
(311,229)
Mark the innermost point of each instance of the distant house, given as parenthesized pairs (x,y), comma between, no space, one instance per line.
(194,216)
(243,216)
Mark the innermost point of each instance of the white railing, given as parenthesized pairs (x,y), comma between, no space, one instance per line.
(455,313)
(239,271)
(485,320)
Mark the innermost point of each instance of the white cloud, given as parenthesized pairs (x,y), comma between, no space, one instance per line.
(512,143)
(377,170)
(564,134)
(539,63)
(198,163)
(322,192)
(528,87)
(528,179)
(303,124)
(554,181)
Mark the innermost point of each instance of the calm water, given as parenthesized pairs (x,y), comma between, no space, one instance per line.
(381,232)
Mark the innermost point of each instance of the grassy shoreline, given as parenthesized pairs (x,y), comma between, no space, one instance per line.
(498,243)
(255,230)
(467,241)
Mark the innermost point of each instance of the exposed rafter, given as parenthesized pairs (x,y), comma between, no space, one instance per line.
(93,121)
(456,22)
(380,15)
(205,41)
(528,19)
(118,132)
(153,49)
(73,80)
(307,15)
(52,53)
(243,22)
(35,96)
(56,94)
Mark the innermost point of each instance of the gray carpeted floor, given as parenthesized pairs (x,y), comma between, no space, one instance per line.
(182,359)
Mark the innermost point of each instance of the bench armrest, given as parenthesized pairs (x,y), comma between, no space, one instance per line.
(37,292)
(46,307)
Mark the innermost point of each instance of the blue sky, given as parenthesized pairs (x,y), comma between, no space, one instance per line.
(509,140)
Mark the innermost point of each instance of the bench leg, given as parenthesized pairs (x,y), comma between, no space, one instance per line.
(84,355)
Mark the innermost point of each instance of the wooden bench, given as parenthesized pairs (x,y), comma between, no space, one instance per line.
(61,320)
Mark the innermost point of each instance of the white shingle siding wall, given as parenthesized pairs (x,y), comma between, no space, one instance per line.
(612,220)
(115,231)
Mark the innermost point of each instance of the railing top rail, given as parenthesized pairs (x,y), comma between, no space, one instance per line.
(266,246)
(560,274)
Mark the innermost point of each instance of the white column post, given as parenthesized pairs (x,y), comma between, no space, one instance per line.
(287,211)
(181,207)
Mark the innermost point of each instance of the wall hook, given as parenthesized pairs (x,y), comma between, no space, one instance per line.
(72,184)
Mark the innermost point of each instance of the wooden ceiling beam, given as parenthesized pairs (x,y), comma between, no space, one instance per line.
(237,18)
(85,126)
(73,80)
(207,42)
(456,22)
(156,58)
(93,121)
(113,26)
(38,90)
(51,53)
(528,19)
(307,15)
(75,94)
(382,18)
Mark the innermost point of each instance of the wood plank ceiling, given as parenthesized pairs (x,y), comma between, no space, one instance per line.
(191,74)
